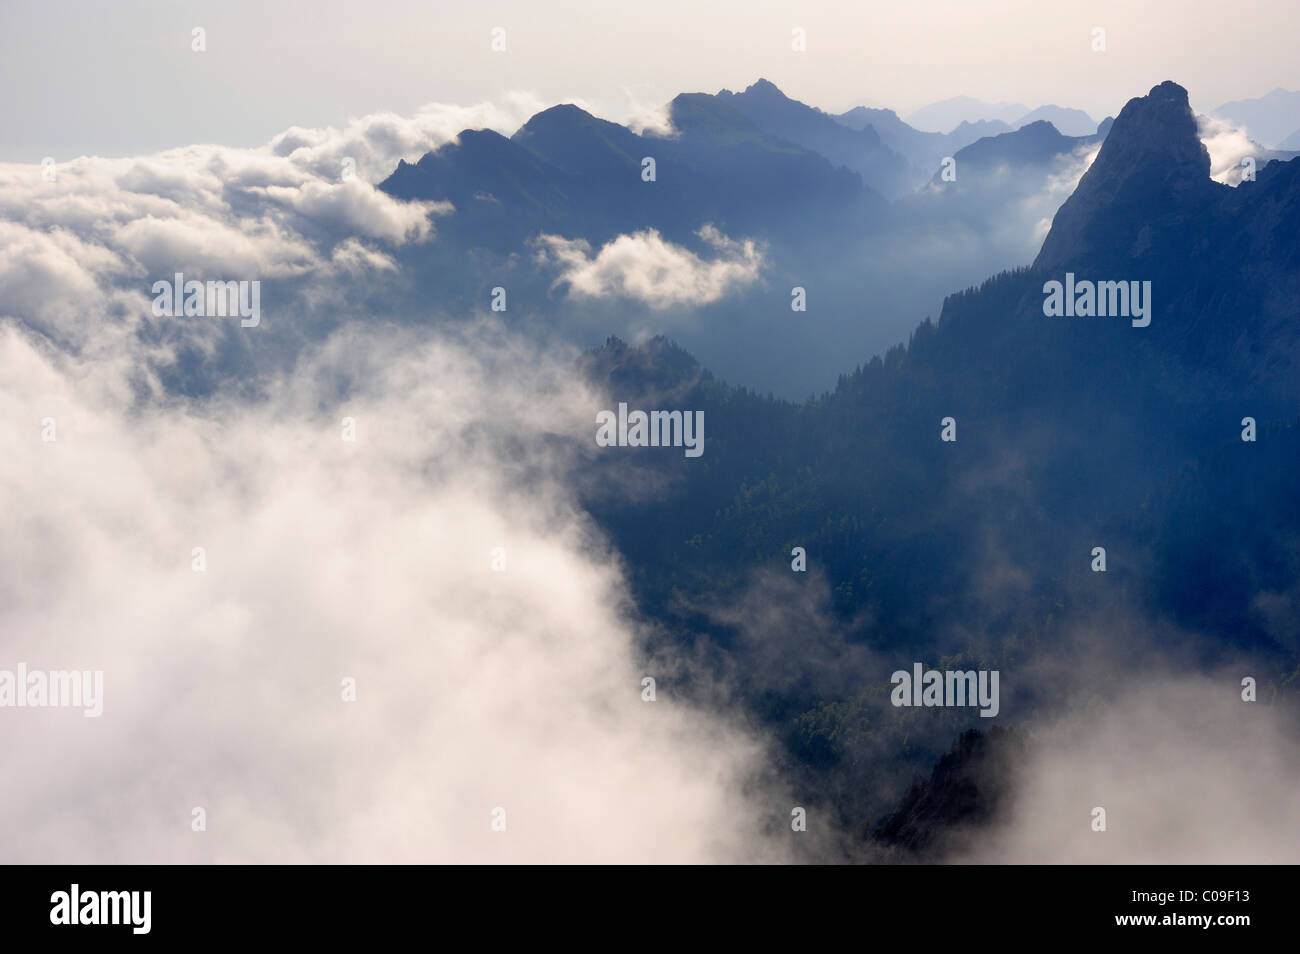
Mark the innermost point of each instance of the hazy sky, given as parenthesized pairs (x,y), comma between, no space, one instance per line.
(116,78)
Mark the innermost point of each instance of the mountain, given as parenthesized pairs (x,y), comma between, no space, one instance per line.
(1071,433)
(870,267)
(967,789)
(1269,119)
(1070,122)
(813,222)
(860,149)
(947,114)
(567,172)
(1154,171)
(1291,143)
(1000,191)
(924,150)
(1035,144)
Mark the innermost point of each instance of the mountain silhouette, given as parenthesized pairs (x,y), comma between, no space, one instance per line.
(946,115)
(1070,122)
(860,149)
(1269,119)
(569,173)
(924,150)
(1035,144)
(1151,177)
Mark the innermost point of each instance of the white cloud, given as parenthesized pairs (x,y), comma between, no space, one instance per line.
(377,141)
(84,249)
(646,267)
(354,206)
(1186,772)
(647,116)
(327,559)
(1060,185)
(1228,145)
(200,244)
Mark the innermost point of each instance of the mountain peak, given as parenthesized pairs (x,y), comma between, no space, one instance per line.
(764,87)
(1156,129)
(1151,164)
(565,114)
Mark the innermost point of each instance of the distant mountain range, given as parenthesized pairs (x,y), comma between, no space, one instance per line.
(1034,144)
(568,172)
(1272,120)
(565,145)
(892,156)
(839,205)
(859,148)
(922,149)
(813,191)
(946,115)
(1070,122)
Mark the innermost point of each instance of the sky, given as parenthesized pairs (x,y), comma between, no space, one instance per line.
(120,78)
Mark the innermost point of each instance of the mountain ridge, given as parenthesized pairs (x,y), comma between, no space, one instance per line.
(1070,434)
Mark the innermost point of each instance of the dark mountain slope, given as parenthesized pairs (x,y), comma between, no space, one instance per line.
(968,788)
(1071,433)
(1155,171)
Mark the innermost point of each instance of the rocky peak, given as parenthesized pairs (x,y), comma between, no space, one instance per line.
(1152,172)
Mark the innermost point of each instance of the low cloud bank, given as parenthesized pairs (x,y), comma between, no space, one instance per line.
(322,560)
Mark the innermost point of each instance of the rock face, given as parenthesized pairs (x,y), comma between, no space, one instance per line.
(968,789)
(1223,261)
(1151,177)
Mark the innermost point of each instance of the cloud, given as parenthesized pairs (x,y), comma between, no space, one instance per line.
(1228,144)
(325,560)
(375,142)
(645,267)
(1186,772)
(652,117)
(353,206)
(1059,186)
(208,246)
(86,245)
